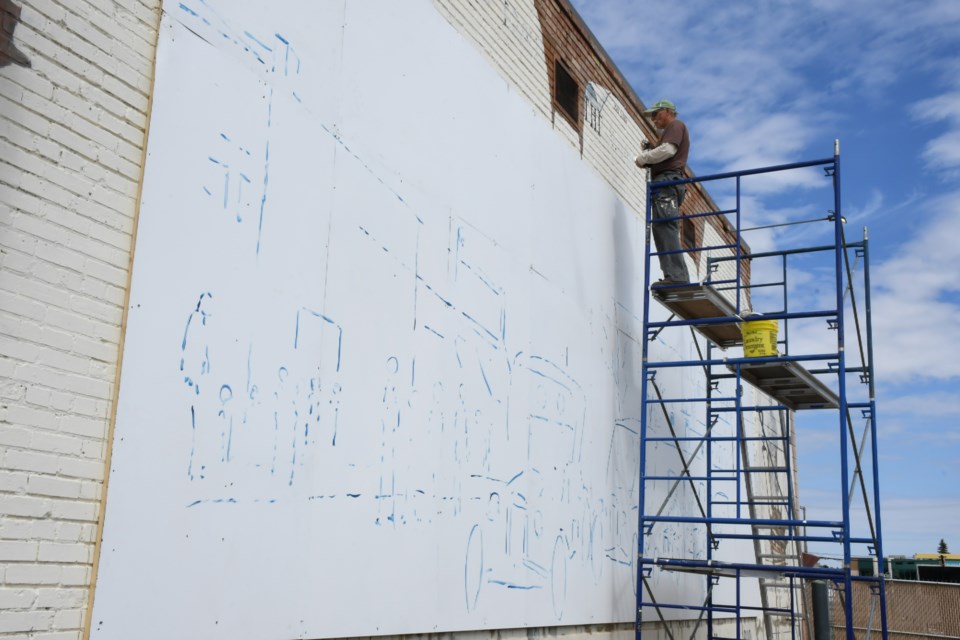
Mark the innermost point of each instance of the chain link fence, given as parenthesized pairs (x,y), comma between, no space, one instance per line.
(914,610)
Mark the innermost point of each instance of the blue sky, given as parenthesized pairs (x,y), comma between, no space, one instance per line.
(763,82)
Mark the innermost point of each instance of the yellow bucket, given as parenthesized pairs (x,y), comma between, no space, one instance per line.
(759,338)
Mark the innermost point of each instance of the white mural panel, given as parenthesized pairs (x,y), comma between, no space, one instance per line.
(382,358)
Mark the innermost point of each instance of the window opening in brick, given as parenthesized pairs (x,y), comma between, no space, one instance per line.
(689,229)
(567,93)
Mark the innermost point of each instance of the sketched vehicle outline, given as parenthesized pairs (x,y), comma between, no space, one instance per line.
(518,546)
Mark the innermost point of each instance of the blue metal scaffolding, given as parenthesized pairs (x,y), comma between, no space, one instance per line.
(722,535)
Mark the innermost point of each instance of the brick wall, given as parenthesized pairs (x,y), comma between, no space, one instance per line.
(72,129)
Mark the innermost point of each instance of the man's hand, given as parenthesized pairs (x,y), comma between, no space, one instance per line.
(646,145)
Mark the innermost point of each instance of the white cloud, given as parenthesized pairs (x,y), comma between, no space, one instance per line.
(942,152)
(939,108)
(938,404)
(868,209)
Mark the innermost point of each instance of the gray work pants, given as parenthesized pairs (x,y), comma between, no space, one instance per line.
(666,235)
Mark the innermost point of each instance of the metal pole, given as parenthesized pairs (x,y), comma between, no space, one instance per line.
(786,308)
(881,569)
(821,610)
(641,521)
(842,392)
(709,527)
(739,251)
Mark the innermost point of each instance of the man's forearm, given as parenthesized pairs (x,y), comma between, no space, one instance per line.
(658,154)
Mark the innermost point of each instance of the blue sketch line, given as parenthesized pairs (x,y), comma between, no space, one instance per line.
(472,595)
(226,394)
(485,330)
(266,170)
(213,501)
(293,461)
(226,32)
(317,314)
(433,291)
(250,389)
(618,561)
(226,178)
(340,141)
(432,330)
(386,250)
(189,10)
(536,568)
(485,381)
(542,374)
(457,262)
(254,38)
(490,478)
(555,422)
(633,431)
(286,55)
(193,443)
(203,321)
(244,178)
(511,585)
(336,417)
(480,277)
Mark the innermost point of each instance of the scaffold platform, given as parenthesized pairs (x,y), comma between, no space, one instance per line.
(790,383)
(696,301)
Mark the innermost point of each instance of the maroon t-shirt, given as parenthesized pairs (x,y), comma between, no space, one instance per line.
(676,134)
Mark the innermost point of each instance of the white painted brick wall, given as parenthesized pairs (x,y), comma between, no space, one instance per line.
(71,138)
(611,139)
(507,32)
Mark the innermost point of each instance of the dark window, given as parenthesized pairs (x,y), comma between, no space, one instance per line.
(567,93)
(689,230)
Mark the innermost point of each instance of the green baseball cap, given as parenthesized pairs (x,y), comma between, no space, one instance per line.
(662,104)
